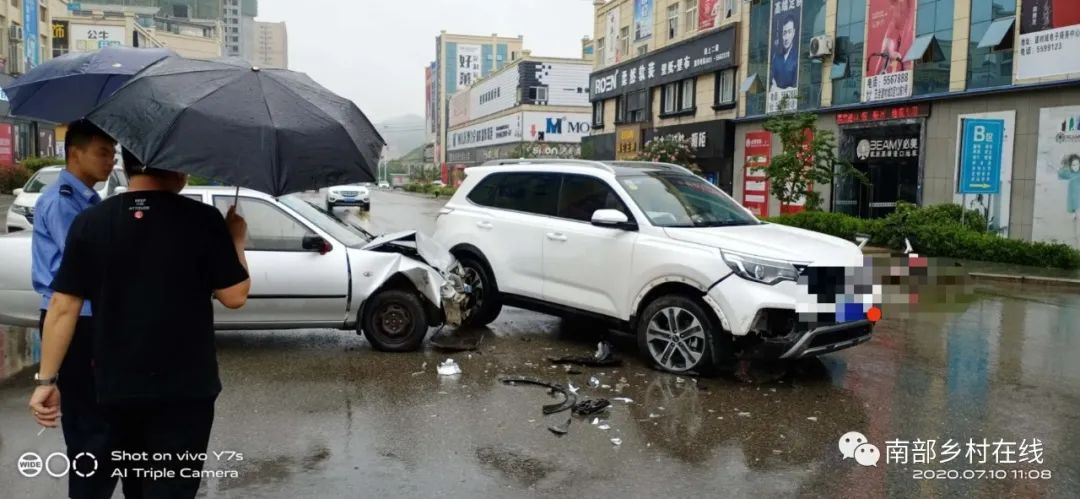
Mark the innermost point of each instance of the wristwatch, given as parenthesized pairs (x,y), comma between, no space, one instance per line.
(39,381)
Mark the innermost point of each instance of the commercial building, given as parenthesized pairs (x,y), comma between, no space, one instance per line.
(95,26)
(663,69)
(271,45)
(928,98)
(25,41)
(460,61)
(532,107)
(238,17)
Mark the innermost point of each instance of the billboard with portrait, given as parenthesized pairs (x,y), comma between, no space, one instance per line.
(643,19)
(611,34)
(784,51)
(1056,216)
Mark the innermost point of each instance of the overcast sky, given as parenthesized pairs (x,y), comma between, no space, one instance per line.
(374,52)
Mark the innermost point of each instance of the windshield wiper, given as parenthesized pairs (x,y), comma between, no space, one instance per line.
(725,223)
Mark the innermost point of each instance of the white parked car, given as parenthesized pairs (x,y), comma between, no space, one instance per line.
(308,270)
(654,249)
(384,185)
(20,214)
(348,195)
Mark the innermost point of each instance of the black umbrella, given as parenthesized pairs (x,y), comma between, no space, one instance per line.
(272,130)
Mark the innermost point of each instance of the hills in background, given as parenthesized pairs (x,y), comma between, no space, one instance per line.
(402,133)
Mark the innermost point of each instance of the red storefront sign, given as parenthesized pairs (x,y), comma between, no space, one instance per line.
(883,114)
(755,183)
(7,145)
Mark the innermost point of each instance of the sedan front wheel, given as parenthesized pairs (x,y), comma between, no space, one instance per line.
(395,321)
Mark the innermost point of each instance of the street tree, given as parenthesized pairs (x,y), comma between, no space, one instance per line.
(808,157)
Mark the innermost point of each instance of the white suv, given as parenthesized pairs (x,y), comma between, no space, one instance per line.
(657,250)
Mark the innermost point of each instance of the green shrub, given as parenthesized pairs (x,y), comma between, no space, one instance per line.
(936,231)
(13,177)
(34,164)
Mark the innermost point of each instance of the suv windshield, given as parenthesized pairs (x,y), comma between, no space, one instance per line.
(679,200)
(348,235)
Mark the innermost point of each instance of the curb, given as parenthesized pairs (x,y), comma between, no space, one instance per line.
(1022,279)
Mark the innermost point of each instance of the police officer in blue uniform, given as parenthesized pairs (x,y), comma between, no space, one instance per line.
(91,156)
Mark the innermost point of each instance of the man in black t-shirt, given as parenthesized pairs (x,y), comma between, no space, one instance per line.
(149,260)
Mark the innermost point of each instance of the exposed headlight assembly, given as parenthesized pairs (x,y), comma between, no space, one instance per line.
(760,269)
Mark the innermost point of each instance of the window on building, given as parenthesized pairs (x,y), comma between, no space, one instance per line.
(813,24)
(600,50)
(598,114)
(624,41)
(632,107)
(677,97)
(758,61)
(643,49)
(725,88)
(672,21)
(847,69)
(538,94)
(990,49)
(691,15)
(934,22)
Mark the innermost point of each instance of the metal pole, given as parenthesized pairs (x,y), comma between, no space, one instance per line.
(963,207)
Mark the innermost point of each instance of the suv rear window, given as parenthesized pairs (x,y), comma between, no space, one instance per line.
(484,192)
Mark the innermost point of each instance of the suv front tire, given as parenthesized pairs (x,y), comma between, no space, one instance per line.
(679,334)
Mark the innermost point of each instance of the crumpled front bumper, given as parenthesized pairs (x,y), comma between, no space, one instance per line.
(800,344)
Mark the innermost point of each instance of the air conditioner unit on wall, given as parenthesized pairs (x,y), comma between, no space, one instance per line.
(821,46)
(15,33)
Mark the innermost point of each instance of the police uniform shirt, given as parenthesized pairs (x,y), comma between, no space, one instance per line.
(149,261)
(54,212)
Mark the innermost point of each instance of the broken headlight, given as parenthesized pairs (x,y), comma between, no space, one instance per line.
(760,269)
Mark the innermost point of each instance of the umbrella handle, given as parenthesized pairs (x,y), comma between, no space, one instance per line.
(236,199)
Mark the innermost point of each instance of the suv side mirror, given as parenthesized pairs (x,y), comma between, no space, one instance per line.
(313,242)
(18,192)
(612,218)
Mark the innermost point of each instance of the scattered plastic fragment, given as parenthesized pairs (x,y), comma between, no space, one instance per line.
(562,429)
(624,400)
(594,382)
(616,441)
(812,418)
(604,427)
(449,368)
(744,414)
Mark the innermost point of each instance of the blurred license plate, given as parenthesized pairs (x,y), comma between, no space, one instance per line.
(848,312)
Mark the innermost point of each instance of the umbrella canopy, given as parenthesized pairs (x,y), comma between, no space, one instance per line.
(70,86)
(272,130)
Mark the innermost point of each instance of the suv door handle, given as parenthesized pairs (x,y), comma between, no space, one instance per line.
(556,236)
(485,225)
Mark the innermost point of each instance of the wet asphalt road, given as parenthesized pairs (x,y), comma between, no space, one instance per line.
(319,414)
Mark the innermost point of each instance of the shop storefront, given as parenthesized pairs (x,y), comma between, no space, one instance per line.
(711,143)
(886,146)
(21,138)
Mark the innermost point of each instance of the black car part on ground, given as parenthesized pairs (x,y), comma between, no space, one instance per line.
(602,358)
(569,399)
(589,407)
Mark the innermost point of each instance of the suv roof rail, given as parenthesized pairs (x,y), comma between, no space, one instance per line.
(539,161)
(667,166)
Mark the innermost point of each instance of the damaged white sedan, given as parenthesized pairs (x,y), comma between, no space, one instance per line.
(308,270)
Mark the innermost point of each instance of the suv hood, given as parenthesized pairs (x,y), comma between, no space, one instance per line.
(775,241)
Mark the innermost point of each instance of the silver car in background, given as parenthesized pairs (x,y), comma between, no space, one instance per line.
(308,270)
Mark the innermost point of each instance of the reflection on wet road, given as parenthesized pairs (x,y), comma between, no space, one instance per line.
(319,414)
